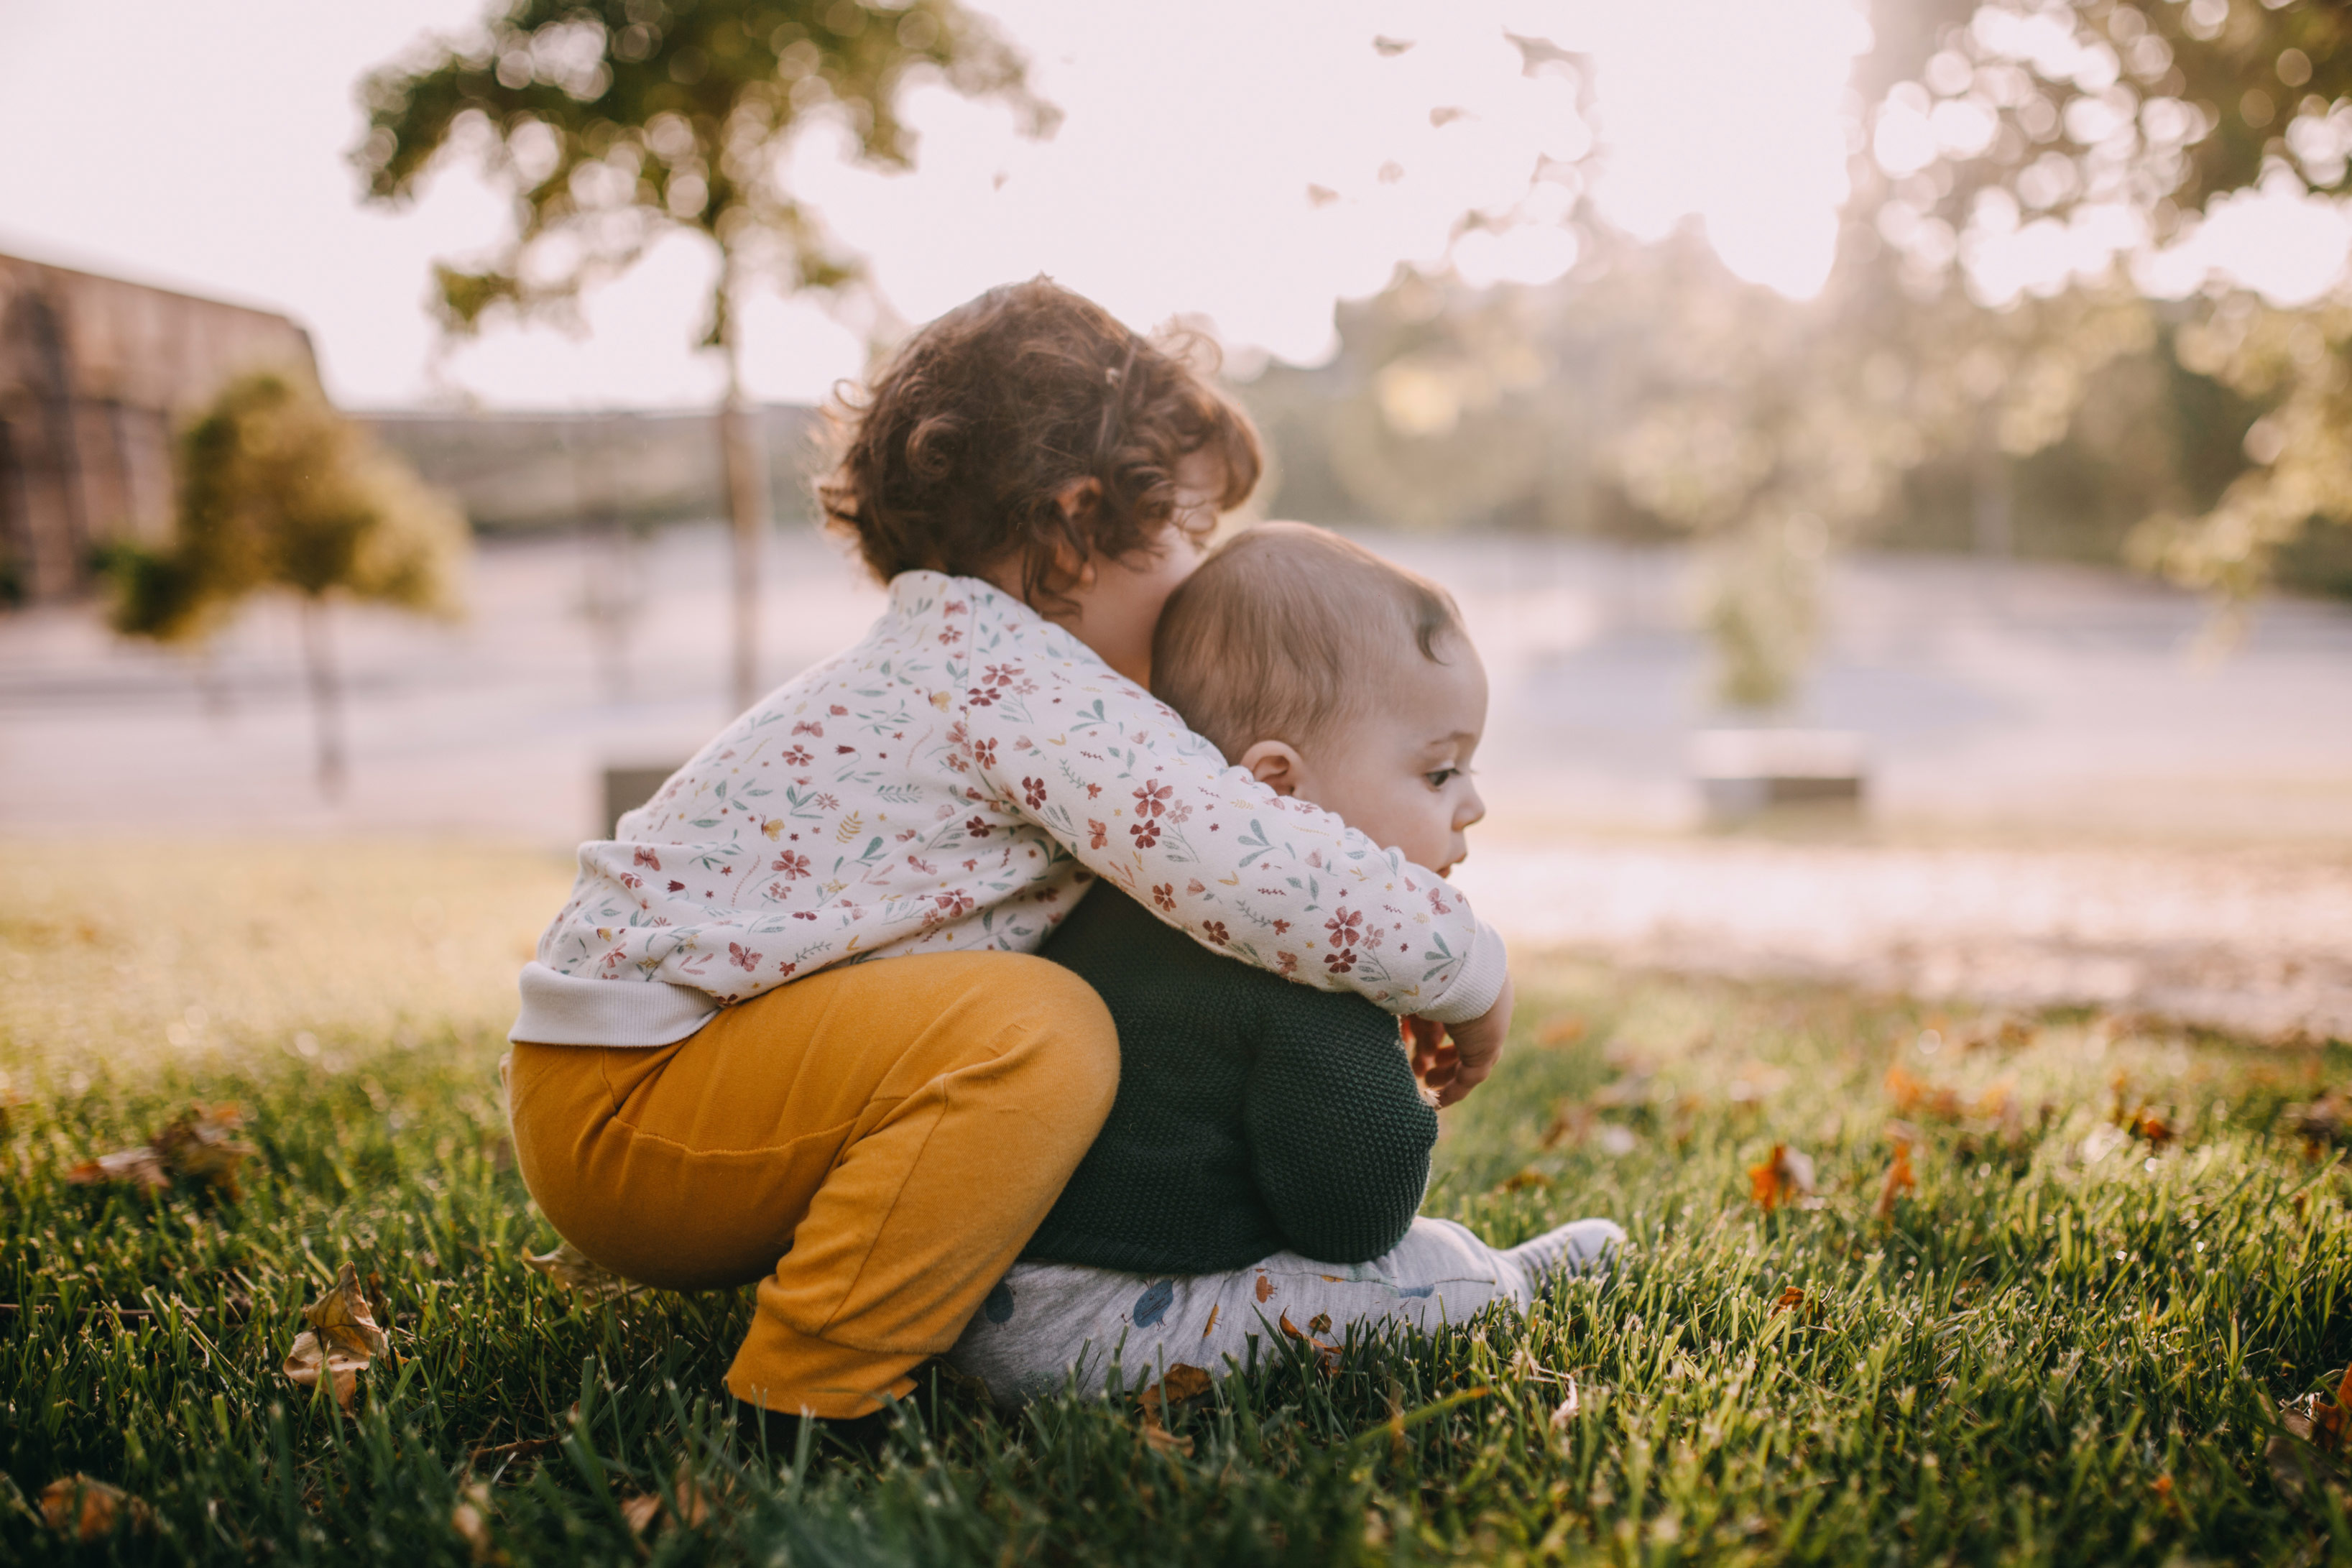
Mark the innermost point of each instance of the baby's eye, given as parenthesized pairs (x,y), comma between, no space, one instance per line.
(1441,777)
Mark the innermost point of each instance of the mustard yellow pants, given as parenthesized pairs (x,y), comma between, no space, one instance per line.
(874,1144)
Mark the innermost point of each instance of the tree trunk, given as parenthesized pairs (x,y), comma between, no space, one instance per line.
(745,457)
(326,695)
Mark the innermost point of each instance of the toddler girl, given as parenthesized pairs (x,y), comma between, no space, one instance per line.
(790,1027)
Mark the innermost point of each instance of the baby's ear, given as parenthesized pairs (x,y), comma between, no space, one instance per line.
(1274,764)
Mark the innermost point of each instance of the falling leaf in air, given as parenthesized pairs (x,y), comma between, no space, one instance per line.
(576,1272)
(1899,1181)
(87,1509)
(1786,1176)
(340,1343)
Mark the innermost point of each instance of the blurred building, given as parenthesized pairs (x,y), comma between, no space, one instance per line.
(94,373)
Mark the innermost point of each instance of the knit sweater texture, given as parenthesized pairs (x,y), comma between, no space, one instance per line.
(1254,1115)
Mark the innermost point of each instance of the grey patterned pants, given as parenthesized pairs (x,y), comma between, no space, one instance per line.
(1045,1323)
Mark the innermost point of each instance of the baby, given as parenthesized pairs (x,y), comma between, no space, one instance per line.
(1264,1160)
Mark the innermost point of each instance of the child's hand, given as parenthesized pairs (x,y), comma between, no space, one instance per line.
(1455,1067)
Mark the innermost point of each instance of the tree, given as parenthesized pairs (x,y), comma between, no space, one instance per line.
(2100,117)
(616,121)
(277,490)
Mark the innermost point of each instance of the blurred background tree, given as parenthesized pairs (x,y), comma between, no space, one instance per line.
(277,490)
(613,121)
(1996,361)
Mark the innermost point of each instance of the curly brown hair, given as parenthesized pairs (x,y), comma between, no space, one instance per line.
(955,458)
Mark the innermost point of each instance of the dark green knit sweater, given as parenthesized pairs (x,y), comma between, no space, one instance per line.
(1254,1114)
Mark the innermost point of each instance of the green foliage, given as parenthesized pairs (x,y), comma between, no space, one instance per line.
(616,119)
(277,490)
(2065,1347)
(2295,365)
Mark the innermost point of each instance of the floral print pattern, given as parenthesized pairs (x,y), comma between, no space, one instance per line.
(956,781)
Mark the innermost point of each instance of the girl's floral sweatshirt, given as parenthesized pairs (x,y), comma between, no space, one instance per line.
(955,781)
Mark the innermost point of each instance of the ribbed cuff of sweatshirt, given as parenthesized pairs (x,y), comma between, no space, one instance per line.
(1477,986)
(561,1009)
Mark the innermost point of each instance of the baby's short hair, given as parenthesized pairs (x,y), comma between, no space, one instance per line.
(955,457)
(1284,632)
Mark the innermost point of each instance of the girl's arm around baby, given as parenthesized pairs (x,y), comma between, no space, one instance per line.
(1118,781)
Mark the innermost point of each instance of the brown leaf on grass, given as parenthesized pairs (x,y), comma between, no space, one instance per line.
(139,1167)
(1792,1299)
(1899,1181)
(1786,1176)
(1327,1354)
(2326,1121)
(1162,1441)
(340,1342)
(1181,1385)
(1564,1030)
(199,1144)
(1523,1181)
(87,1509)
(10,1103)
(1917,1097)
(576,1272)
(2310,1456)
(688,1506)
(471,1520)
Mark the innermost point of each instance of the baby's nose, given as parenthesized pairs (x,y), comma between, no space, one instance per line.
(1473,811)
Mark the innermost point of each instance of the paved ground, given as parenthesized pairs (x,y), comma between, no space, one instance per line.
(2066,802)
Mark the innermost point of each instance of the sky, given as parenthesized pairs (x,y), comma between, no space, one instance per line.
(1242,162)
(214,159)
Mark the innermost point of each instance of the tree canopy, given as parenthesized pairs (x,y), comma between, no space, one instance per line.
(614,120)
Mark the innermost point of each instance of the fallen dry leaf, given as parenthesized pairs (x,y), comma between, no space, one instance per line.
(1180,1383)
(139,1167)
(340,1343)
(1786,1176)
(576,1272)
(87,1509)
(2327,1120)
(1561,1031)
(688,1506)
(1565,1410)
(1899,1180)
(1161,1440)
(471,1520)
(199,1144)
(1792,1299)
(1327,1354)
(1525,1180)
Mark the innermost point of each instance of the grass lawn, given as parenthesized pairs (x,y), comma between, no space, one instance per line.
(2068,1343)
